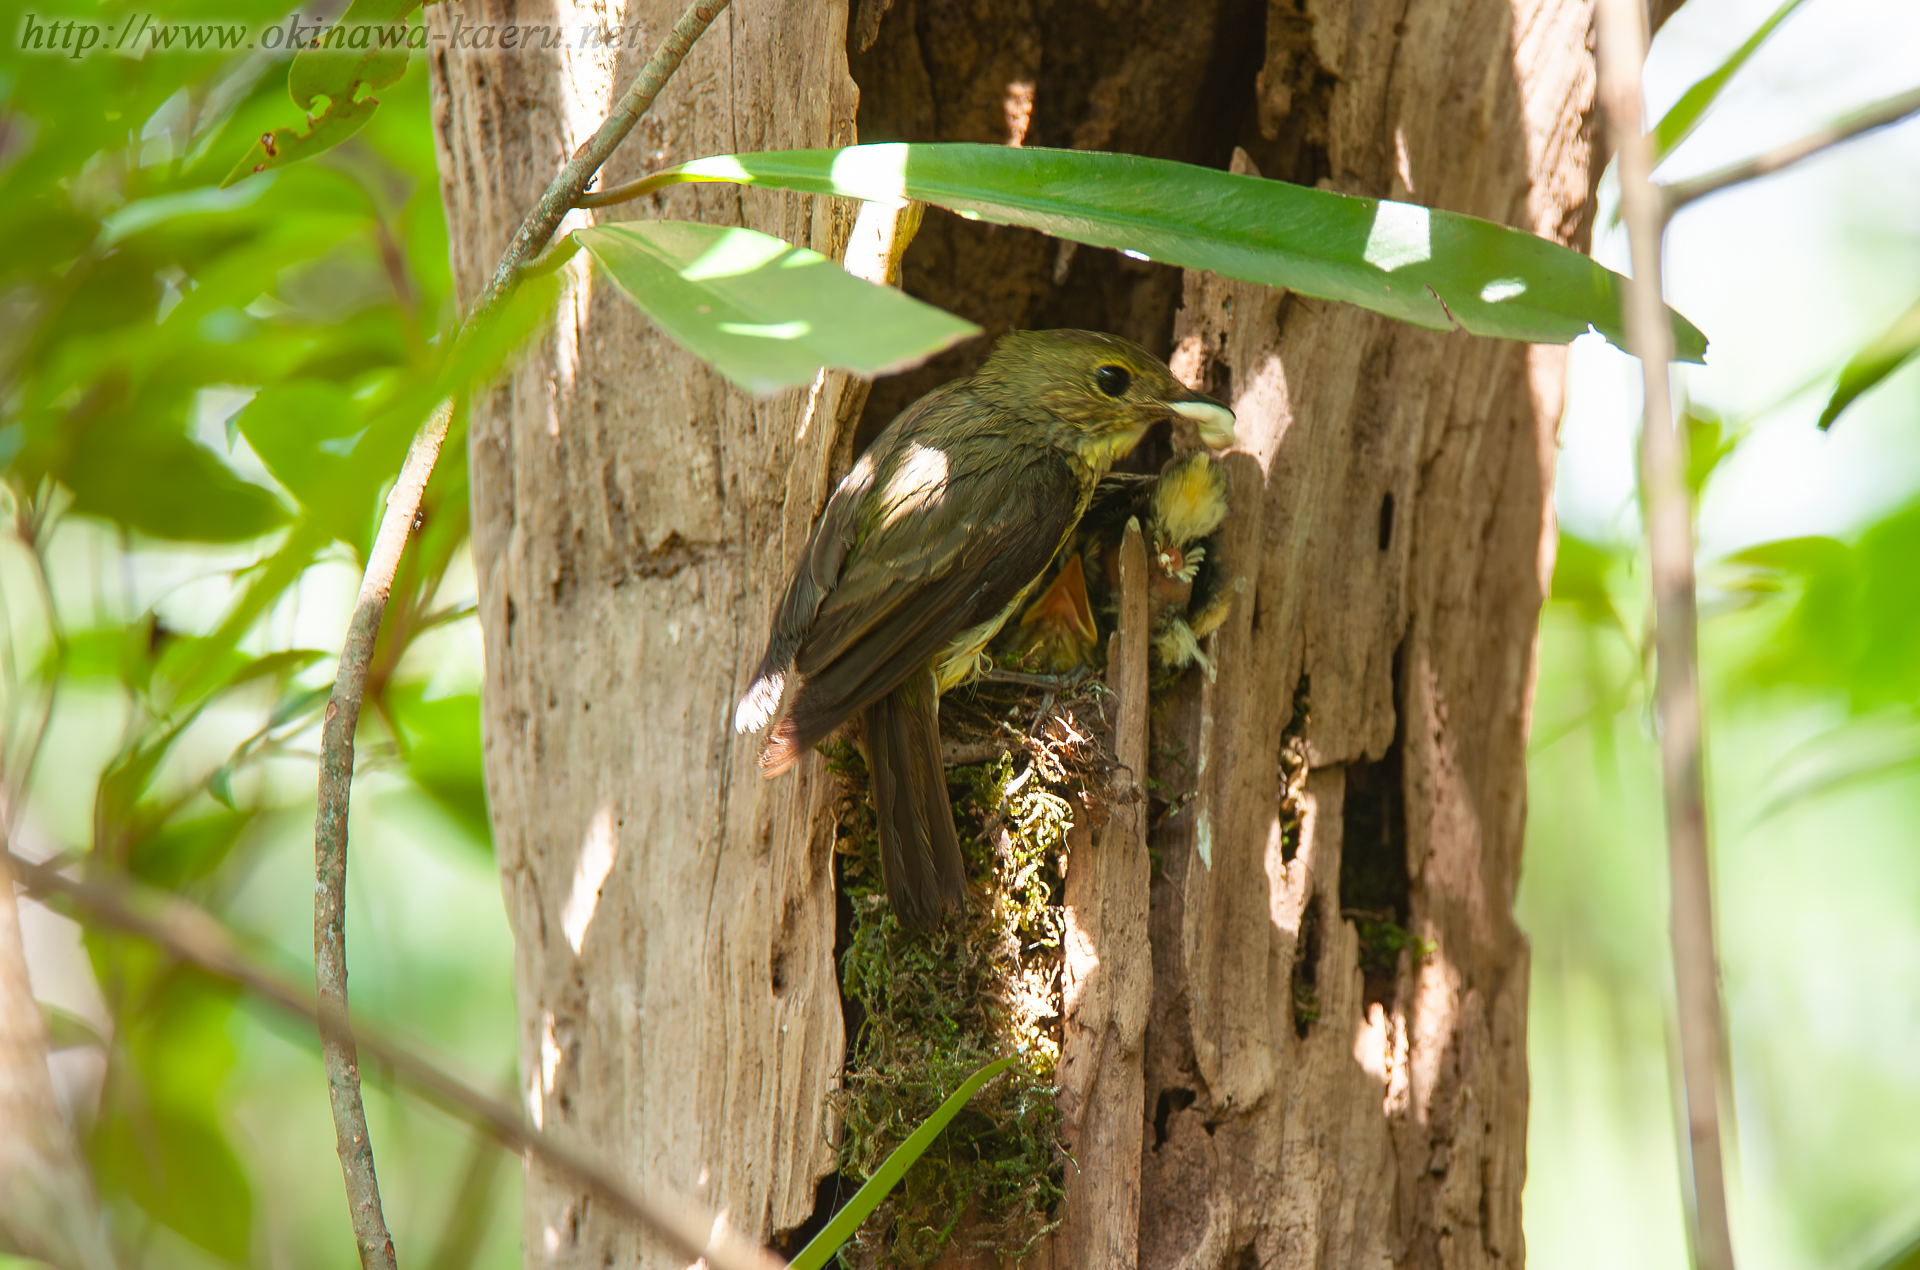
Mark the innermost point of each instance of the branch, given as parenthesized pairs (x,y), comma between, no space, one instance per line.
(1669,516)
(1891,111)
(351,1140)
(192,935)
(349,686)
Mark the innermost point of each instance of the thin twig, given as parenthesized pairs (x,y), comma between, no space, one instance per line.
(1669,515)
(565,191)
(638,188)
(193,935)
(371,1236)
(1891,111)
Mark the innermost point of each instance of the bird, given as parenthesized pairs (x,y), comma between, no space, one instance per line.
(932,540)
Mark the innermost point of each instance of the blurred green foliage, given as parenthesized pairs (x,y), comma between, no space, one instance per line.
(204,392)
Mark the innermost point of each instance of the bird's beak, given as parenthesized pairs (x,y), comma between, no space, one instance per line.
(1215,420)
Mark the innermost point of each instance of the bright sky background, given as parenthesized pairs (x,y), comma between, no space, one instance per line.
(1787,275)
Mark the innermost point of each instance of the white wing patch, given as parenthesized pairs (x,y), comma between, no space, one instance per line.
(761,702)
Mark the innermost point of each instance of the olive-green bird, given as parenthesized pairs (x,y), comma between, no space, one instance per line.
(937,534)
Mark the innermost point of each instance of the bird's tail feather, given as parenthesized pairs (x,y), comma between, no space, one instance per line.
(919,850)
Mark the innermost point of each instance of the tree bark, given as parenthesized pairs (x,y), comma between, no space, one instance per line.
(1312,1093)
(633,520)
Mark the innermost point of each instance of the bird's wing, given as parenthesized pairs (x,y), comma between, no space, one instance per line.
(951,561)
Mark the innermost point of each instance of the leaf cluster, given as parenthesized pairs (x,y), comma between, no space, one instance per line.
(221,382)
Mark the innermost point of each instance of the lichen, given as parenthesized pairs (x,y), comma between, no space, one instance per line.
(929,1010)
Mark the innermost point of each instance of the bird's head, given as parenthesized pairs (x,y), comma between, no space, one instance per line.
(1107,390)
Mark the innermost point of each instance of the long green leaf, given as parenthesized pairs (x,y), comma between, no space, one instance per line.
(1888,352)
(821,1248)
(767,314)
(1432,268)
(1677,124)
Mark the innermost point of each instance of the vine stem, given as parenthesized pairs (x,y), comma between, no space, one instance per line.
(370,1232)
(192,935)
(371,1236)
(1669,516)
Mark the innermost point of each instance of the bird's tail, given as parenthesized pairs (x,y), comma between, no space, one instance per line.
(919,851)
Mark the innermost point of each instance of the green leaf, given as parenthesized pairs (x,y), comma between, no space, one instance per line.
(1675,126)
(1888,352)
(364,50)
(321,445)
(289,661)
(822,1247)
(444,755)
(283,146)
(1854,629)
(161,484)
(120,818)
(1431,268)
(767,314)
(1581,570)
(366,47)
(191,849)
(159,1139)
(124,653)
(489,340)
(1709,442)
(220,785)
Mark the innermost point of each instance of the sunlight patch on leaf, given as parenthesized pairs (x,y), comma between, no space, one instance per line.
(767,314)
(1401,236)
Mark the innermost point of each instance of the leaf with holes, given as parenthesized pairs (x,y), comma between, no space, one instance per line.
(365,49)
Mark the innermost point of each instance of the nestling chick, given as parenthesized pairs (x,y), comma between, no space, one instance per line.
(1188,596)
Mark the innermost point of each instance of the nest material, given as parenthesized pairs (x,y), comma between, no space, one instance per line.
(928,1011)
(1025,760)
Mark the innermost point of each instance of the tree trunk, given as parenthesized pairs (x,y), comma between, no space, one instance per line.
(1333,1062)
(1334,1059)
(633,518)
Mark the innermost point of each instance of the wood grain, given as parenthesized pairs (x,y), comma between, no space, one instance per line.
(1392,521)
(634,517)
(1109,966)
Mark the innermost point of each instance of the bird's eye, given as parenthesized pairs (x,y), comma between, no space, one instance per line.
(1112,380)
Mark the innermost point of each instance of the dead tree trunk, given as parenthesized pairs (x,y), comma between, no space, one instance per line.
(1334,1062)
(633,518)
(1332,1065)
